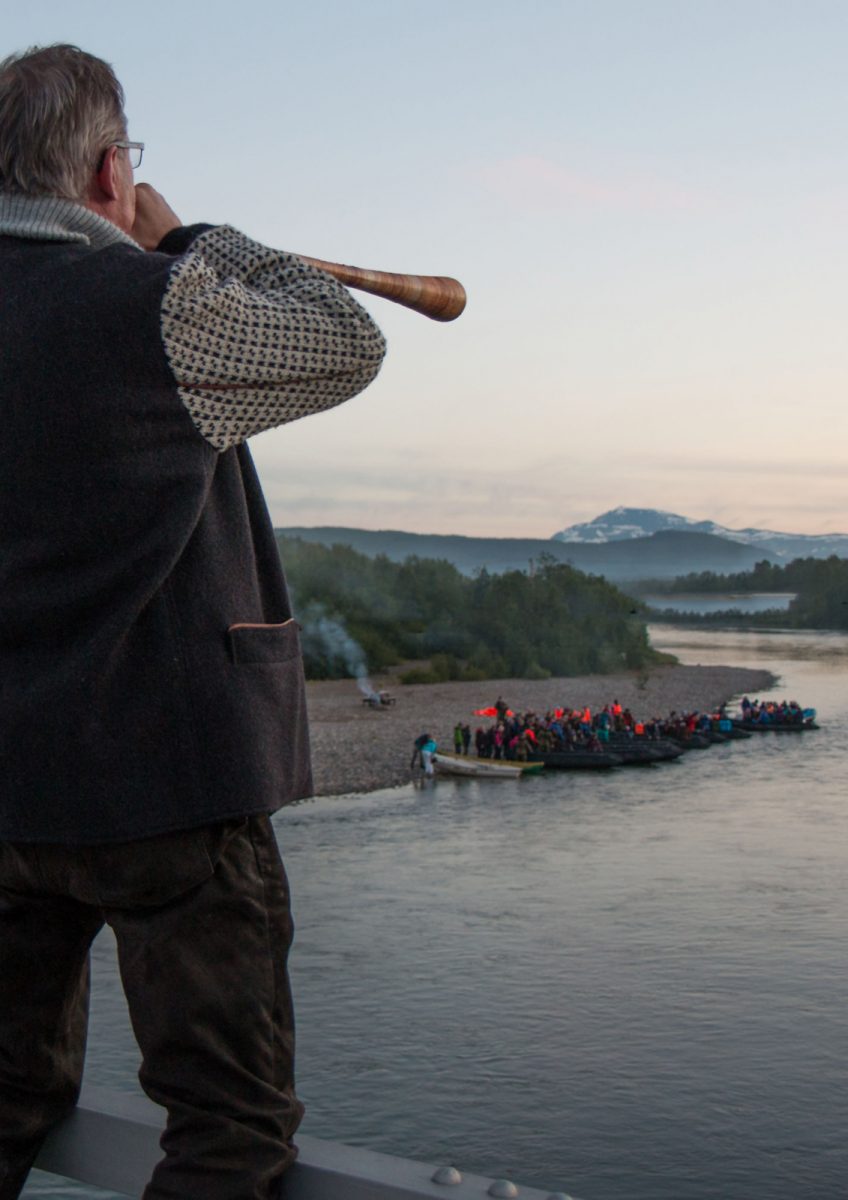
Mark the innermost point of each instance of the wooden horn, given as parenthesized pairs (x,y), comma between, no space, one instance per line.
(436,296)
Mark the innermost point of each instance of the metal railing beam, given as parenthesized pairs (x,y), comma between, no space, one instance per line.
(111,1140)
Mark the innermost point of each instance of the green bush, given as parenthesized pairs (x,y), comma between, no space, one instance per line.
(419,675)
(474,675)
(556,621)
(535,671)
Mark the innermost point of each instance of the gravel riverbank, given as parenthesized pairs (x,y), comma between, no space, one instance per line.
(356,748)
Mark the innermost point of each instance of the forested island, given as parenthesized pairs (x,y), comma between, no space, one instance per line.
(362,614)
(820,584)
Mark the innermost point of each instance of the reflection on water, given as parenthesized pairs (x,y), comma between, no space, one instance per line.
(783,651)
(628,986)
(745,602)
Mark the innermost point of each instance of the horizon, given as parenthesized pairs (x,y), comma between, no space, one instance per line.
(552,536)
(646,204)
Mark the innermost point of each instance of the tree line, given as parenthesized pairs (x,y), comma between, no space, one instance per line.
(820,584)
(554,620)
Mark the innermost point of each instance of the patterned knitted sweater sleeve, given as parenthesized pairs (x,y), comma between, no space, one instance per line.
(256,337)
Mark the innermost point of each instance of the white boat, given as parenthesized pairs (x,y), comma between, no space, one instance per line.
(480,768)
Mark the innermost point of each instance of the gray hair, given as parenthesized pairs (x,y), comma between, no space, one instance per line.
(60,108)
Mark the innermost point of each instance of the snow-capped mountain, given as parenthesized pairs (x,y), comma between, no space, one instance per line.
(622,524)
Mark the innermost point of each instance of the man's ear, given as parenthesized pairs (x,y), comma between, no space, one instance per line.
(105,180)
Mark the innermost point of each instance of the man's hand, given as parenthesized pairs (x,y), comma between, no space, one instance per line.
(153,217)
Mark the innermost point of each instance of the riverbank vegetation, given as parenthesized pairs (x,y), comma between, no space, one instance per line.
(362,614)
(820,584)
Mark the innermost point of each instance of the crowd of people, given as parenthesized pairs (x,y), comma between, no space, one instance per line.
(787,712)
(520,736)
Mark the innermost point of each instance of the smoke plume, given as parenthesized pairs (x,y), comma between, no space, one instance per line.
(326,636)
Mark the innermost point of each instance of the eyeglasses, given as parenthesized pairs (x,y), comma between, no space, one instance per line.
(134,149)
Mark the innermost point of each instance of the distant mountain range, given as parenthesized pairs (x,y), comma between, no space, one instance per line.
(623,545)
(662,555)
(625,524)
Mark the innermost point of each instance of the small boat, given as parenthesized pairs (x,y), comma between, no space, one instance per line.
(483,768)
(578,760)
(801,720)
(734,734)
(690,741)
(632,755)
(642,751)
(776,726)
(804,719)
(666,749)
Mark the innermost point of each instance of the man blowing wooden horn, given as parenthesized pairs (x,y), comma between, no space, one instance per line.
(152,712)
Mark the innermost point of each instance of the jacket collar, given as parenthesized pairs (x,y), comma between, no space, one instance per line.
(52,219)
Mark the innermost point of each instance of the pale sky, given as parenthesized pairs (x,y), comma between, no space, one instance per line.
(647,202)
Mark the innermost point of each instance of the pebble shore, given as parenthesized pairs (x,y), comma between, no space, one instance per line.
(358,749)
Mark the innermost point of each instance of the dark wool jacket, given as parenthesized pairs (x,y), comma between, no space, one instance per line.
(150,673)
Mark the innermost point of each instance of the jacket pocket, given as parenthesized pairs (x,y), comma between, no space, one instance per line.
(251,643)
(150,872)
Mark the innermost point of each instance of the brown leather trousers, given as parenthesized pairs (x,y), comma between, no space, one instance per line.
(203,929)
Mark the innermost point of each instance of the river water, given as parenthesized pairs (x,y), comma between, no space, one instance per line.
(627,987)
